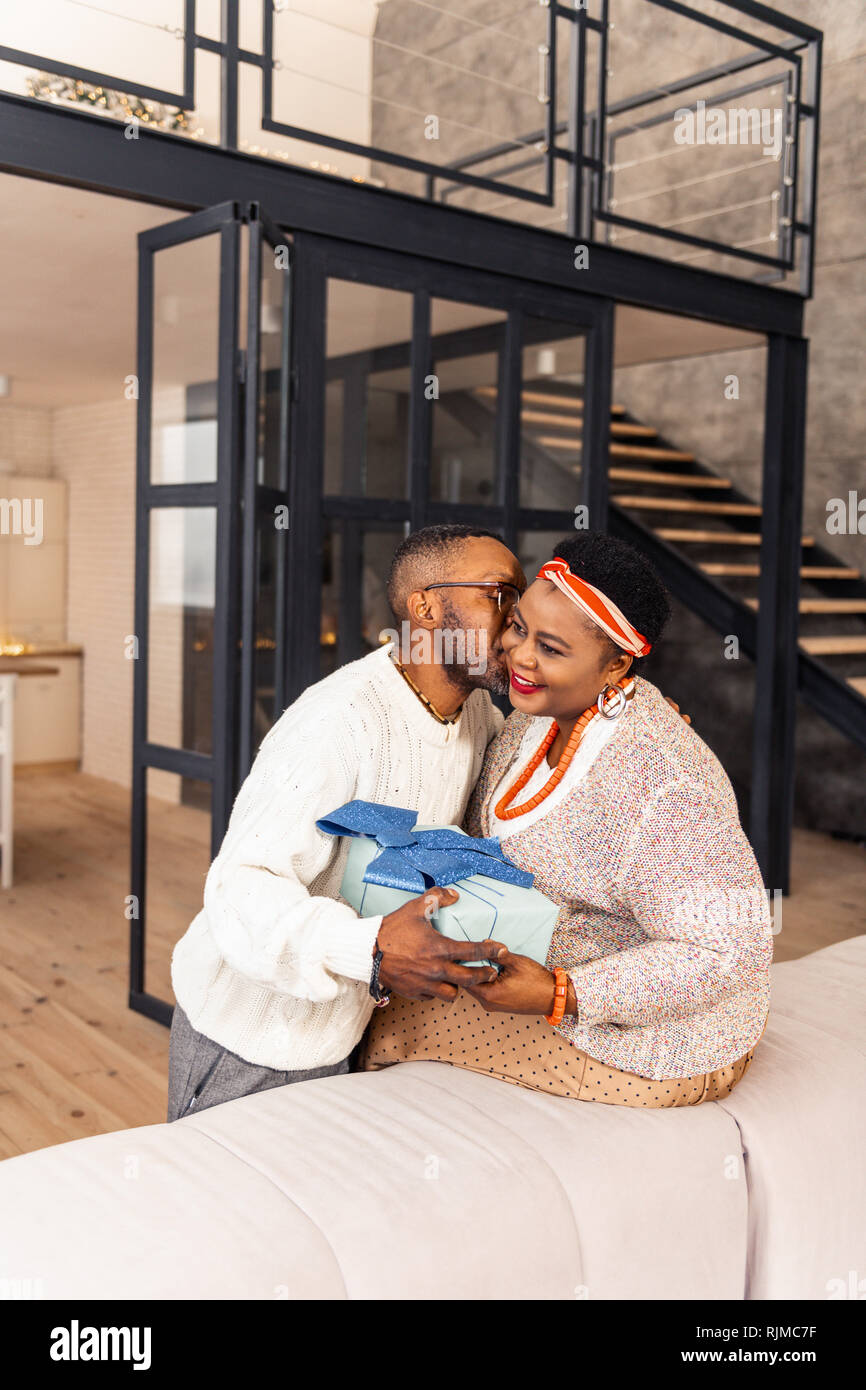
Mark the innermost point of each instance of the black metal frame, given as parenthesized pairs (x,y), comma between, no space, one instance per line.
(216,768)
(787,192)
(185,99)
(589,195)
(806,112)
(76,147)
(239,500)
(420,166)
(260,499)
(775,715)
(233,56)
(591,192)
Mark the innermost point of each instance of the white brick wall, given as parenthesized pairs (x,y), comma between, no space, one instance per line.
(25,440)
(94,450)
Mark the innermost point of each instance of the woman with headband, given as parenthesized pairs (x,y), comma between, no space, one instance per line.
(655,991)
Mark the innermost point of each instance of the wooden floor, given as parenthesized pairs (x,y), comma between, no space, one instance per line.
(74,1059)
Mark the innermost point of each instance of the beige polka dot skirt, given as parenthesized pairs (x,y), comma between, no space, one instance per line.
(524,1050)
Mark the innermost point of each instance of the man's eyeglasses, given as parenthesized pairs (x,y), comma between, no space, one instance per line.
(506,595)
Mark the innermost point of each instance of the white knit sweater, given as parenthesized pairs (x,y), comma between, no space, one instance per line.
(276,967)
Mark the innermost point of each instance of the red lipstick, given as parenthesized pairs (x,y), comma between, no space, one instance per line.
(525,687)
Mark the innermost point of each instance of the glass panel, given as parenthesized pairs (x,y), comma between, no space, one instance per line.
(534,547)
(127,48)
(465,344)
(355,610)
(113,39)
(265,658)
(274,322)
(185,362)
(369,337)
(687,429)
(551,414)
(180,647)
(437,82)
(719,694)
(178,858)
(711,162)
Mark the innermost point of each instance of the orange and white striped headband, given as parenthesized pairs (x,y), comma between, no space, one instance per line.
(603,612)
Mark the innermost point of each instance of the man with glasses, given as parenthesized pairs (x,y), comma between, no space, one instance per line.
(276,977)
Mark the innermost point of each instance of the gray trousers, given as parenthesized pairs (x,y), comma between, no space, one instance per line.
(202,1073)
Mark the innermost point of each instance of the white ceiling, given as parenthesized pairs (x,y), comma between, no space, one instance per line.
(68,285)
(68,291)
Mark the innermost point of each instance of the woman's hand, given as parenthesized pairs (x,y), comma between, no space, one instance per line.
(523,987)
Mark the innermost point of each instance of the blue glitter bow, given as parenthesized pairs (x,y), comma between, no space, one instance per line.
(417,859)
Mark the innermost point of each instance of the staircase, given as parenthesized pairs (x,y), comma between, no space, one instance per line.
(704,537)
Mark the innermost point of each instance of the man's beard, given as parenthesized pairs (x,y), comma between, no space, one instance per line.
(466,677)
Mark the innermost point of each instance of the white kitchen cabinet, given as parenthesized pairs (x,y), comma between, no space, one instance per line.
(48,711)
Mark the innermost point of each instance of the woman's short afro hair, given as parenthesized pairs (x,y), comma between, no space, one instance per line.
(624,575)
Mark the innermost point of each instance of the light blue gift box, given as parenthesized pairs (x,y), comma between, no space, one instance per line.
(388,848)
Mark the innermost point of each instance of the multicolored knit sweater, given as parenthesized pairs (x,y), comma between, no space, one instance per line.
(664,926)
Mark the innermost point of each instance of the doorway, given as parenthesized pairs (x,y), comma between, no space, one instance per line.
(332,398)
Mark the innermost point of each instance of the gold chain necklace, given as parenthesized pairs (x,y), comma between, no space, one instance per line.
(428,704)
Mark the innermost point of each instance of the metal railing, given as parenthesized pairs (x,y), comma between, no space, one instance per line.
(595,132)
(581,133)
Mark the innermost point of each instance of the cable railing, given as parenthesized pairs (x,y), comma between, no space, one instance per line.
(601,208)
(451,99)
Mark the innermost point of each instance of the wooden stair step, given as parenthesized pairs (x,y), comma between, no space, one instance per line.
(551,398)
(833,605)
(559,441)
(674,533)
(722,567)
(830,572)
(547,398)
(624,428)
(685,504)
(620,428)
(644,454)
(825,605)
(649,475)
(833,646)
(859,684)
(650,455)
(548,417)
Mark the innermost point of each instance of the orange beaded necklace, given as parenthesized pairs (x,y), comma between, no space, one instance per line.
(503,810)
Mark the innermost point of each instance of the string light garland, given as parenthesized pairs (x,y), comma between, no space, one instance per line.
(121,105)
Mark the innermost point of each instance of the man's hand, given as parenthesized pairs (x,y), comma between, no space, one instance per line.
(418,962)
(675,706)
(522,987)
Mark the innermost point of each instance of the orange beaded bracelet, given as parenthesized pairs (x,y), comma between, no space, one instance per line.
(560,998)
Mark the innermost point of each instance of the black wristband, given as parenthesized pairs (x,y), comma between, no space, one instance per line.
(380,996)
